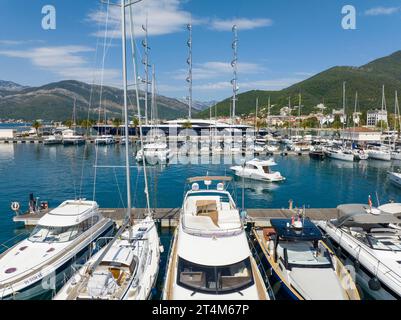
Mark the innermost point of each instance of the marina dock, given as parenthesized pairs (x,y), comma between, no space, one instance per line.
(168,217)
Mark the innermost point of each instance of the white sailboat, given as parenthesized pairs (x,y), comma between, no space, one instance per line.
(396,152)
(202,263)
(127,268)
(69,136)
(381,152)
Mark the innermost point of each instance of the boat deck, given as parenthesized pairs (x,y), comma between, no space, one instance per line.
(169,216)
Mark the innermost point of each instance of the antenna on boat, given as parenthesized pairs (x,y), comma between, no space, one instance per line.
(234,66)
(189,78)
(145,62)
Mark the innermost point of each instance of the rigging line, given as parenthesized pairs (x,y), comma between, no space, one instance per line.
(100,97)
(132,38)
(118,187)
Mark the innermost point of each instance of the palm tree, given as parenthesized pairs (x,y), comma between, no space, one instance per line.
(135,122)
(187,125)
(117,123)
(36,125)
(86,124)
(68,123)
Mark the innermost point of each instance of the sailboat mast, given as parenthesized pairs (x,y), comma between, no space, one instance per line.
(145,62)
(189,78)
(125,87)
(234,66)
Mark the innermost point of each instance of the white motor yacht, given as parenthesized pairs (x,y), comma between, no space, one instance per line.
(70,138)
(258,170)
(302,263)
(63,237)
(396,154)
(395,177)
(154,153)
(127,270)
(105,140)
(210,256)
(362,235)
(53,140)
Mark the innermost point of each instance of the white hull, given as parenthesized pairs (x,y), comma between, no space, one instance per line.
(379,155)
(341,156)
(395,178)
(396,155)
(256,175)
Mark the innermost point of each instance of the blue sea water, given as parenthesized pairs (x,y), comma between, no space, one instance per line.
(57,173)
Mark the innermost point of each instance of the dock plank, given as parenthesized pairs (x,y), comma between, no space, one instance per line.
(169,216)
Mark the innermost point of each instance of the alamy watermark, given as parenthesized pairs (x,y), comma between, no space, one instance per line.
(49,20)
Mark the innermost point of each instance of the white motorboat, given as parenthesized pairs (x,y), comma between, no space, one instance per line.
(302,263)
(154,153)
(210,256)
(339,154)
(53,140)
(70,138)
(395,177)
(127,270)
(105,140)
(62,238)
(258,170)
(365,240)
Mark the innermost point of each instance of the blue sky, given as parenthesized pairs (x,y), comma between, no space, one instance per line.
(280,42)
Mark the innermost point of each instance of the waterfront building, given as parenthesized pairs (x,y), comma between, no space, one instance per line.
(361,135)
(374,116)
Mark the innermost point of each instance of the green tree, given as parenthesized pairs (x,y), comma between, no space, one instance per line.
(68,123)
(187,125)
(135,122)
(382,124)
(87,125)
(36,125)
(337,122)
(117,123)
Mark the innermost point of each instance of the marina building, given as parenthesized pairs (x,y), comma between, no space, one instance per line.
(361,135)
(374,116)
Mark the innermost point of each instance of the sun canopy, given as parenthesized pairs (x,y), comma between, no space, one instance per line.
(309,232)
(360,214)
(209,178)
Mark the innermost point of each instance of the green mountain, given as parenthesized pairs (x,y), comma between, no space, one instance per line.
(55,102)
(326,87)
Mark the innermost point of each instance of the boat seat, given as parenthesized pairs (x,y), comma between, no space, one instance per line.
(268,232)
(117,274)
(194,278)
(207,208)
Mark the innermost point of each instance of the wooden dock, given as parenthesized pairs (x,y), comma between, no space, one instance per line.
(168,217)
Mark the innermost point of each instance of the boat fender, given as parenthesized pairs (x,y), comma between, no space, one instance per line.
(15,206)
(374,284)
(357,265)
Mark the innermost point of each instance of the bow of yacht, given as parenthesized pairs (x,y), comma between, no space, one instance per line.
(63,236)
(210,257)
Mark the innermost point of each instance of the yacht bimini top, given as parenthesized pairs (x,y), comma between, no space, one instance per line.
(361,214)
(307,231)
(69,213)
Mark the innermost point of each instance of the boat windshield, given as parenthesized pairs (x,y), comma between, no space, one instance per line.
(54,234)
(215,280)
(305,255)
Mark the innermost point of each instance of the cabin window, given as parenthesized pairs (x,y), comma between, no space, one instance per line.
(215,280)
(266,169)
(54,234)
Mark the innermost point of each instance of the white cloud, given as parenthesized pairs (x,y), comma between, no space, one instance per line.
(217,69)
(64,61)
(164,17)
(241,23)
(382,11)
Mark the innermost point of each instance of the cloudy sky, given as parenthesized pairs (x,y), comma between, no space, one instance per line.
(280,42)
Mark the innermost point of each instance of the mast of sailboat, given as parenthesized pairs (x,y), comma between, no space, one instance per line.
(396,116)
(145,62)
(235,70)
(354,117)
(299,112)
(344,119)
(127,155)
(268,113)
(256,114)
(74,116)
(134,63)
(189,78)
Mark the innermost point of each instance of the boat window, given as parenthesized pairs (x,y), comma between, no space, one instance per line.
(305,255)
(384,241)
(215,280)
(54,234)
(266,169)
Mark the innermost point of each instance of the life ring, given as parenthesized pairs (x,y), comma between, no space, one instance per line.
(15,206)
